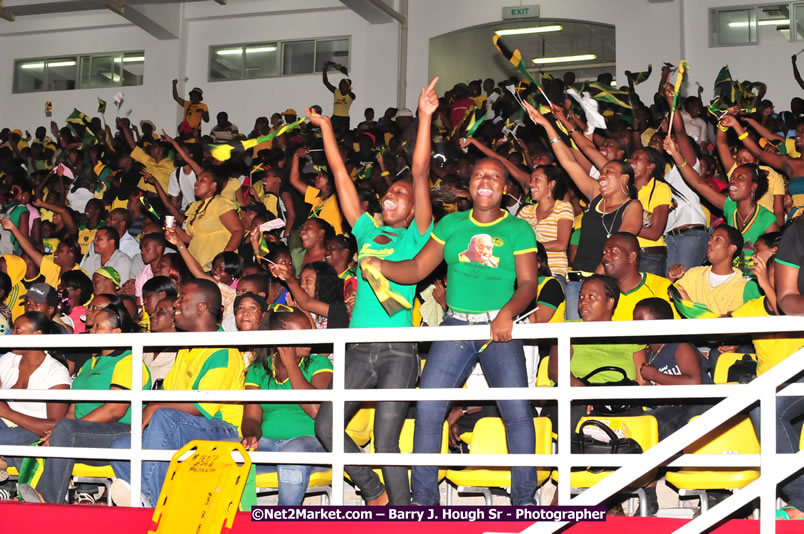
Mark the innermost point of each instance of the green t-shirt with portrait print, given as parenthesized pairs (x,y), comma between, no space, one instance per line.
(393,244)
(481,259)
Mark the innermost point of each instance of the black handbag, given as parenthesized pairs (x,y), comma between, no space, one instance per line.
(743,370)
(583,444)
(611,406)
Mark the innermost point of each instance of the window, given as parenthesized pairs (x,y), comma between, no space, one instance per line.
(276,58)
(757,24)
(79,72)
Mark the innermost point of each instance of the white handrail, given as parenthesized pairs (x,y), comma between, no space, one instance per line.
(736,398)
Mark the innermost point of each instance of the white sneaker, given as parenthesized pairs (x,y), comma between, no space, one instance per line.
(121,492)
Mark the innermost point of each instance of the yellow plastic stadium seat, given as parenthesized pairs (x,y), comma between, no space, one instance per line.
(359,428)
(542,378)
(320,482)
(406,444)
(724,362)
(736,436)
(489,438)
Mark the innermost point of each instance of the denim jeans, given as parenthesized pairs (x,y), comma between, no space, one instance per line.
(654,263)
(292,479)
(381,366)
(448,365)
(55,480)
(687,249)
(788,433)
(15,435)
(168,429)
(573,293)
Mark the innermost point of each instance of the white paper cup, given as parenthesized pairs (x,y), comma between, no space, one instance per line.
(170,220)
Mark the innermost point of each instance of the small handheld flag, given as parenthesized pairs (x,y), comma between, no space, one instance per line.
(689,309)
(391,301)
(682,66)
(149,208)
(639,77)
(48,109)
(101,106)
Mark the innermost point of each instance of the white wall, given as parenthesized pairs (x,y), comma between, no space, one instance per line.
(646,32)
(768,62)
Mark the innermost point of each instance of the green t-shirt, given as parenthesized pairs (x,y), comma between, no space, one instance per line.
(102,372)
(481,265)
(755,227)
(588,357)
(403,244)
(286,421)
(13,212)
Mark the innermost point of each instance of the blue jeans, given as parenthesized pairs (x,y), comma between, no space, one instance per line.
(381,366)
(653,262)
(168,429)
(448,365)
(15,435)
(573,293)
(687,249)
(55,480)
(292,479)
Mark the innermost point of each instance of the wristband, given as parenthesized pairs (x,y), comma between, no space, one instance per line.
(743,135)
(385,173)
(181,247)
(722,128)
(682,165)
(464,410)
(572,131)
(555,140)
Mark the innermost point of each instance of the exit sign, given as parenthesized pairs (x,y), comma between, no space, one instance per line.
(520,12)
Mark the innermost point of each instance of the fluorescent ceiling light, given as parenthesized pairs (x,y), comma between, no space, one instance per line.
(564,59)
(61,63)
(130,59)
(536,29)
(768,22)
(259,49)
(230,52)
(32,66)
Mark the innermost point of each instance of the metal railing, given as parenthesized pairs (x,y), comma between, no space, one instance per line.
(774,467)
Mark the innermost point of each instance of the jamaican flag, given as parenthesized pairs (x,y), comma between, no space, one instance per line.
(689,309)
(391,301)
(224,152)
(101,105)
(682,67)
(474,124)
(31,469)
(606,94)
(725,87)
(639,77)
(48,109)
(78,118)
(515,58)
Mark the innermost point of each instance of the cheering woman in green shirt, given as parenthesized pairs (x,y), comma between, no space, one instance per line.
(491,278)
(407,221)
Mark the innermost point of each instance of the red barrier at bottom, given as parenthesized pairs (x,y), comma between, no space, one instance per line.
(22,518)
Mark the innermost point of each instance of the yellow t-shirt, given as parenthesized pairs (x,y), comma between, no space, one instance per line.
(210,368)
(161,170)
(194,113)
(52,272)
(770,348)
(651,196)
(341,104)
(722,299)
(775,186)
(203,224)
(327,209)
(651,286)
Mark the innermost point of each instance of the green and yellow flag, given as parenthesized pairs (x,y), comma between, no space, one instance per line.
(77,117)
(515,58)
(473,125)
(602,93)
(149,208)
(688,309)
(48,109)
(725,87)
(101,105)
(639,77)
(224,152)
(390,300)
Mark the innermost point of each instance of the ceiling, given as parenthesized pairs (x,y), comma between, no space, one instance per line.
(49,7)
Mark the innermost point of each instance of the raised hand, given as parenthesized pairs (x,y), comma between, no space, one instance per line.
(464,142)
(7,224)
(428,99)
(316,119)
(670,146)
(729,121)
(172,237)
(534,114)
(167,138)
(675,272)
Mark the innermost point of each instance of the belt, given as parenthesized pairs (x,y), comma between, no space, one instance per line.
(662,251)
(485,317)
(685,229)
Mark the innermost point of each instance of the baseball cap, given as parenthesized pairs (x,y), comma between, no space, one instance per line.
(110,273)
(404,112)
(44,294)
(289,111)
